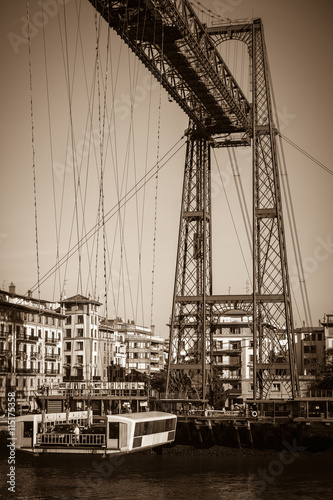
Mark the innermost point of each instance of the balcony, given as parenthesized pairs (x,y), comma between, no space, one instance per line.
(52,372)
(21,355)
(228,350)
(73,378)
(27,371)
(230,377)
(155,348)
(51,356)
(27,338)
(234,392)
(5,352)
(228,364)
(51,341)
(154,357)
(35,355)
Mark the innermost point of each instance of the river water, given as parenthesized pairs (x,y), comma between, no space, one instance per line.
(167,477)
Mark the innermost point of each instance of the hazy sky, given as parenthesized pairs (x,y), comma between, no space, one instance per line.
(69,116)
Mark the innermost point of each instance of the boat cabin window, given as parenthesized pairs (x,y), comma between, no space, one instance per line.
(114,430)
(28,429)
(154,427)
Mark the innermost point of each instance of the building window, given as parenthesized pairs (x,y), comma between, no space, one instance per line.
(79,346)
(80,319)
(68,320)
(68,332)
(79,332)
(310,349)
(68,346)
(276,387)
(68,360)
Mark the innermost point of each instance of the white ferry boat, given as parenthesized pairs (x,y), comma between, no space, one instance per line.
(106,435)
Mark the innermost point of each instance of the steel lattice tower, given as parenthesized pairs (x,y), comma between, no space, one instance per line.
(193,321)
(272,312)
(169,39)
(190,326)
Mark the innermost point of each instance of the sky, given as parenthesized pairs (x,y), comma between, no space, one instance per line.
(111,116)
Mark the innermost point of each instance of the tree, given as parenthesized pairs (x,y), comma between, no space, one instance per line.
(218,395)
(324,372)
(158,381)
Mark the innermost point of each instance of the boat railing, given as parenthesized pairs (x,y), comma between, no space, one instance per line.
(49,439)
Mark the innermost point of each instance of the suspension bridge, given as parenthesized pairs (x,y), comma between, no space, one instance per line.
(186,59)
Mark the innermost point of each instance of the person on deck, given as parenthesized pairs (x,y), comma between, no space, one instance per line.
(76,434)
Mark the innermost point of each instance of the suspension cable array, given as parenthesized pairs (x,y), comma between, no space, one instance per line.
(168,37)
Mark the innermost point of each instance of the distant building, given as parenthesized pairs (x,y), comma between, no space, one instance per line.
(83,357)
(144,351)
(310,352)
(113,347)
(310,348)
(328,329)
(30,346)
(233,355)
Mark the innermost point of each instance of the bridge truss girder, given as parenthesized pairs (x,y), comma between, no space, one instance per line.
(168,37)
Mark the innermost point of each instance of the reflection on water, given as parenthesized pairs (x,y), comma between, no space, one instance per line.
(164,477)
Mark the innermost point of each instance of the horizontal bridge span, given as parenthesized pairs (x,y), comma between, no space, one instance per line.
(226,299)
(170,40)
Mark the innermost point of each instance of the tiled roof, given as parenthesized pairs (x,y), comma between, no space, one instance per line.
(80,299)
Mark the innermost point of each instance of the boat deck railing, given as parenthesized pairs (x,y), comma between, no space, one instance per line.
(49,439)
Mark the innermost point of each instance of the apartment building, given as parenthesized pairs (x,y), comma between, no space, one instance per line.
(310,349)
(328,330)
(113,351)
(233,355)
(30,345)
(83,357)
(144,350)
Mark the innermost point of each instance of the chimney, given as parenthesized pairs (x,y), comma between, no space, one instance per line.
(12,288)
(29,293)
